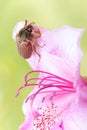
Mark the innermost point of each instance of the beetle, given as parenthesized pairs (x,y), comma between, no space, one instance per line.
(26,40)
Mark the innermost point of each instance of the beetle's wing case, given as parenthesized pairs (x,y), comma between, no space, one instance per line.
(25,49)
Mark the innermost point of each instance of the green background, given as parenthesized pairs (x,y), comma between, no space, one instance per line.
(49,14)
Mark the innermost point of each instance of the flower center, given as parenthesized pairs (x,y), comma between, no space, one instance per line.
(47,118)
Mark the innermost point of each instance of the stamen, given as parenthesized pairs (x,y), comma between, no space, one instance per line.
(47,119)
(47,73)
(46,84)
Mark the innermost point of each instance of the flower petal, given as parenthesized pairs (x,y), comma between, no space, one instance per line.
(63,43)
(76,118)
(27,125)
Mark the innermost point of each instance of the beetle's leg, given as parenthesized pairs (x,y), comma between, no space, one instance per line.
(19,39)
(35,43)
(27,40)
(40,45)
(34,49)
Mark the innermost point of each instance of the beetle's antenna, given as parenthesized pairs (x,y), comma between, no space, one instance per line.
(25,23)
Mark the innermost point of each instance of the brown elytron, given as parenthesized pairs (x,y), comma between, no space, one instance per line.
(27,40)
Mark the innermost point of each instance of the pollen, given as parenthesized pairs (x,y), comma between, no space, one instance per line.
(47,118)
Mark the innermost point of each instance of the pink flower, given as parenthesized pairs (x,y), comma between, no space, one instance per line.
(59,99)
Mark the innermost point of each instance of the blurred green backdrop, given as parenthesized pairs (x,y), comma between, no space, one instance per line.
(47,13)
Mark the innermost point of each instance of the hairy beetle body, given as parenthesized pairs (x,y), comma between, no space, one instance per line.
(26,40)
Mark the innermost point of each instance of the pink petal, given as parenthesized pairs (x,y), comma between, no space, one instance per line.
(64,44)
(27,125)
(76,118)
